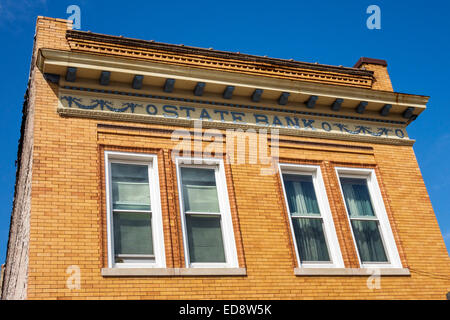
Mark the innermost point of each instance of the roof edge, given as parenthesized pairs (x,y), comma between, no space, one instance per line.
(150,44)
(364,60)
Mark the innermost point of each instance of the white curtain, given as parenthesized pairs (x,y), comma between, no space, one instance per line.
(130,188)
(199,190)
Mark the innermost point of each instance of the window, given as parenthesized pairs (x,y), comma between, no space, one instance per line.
(134,215)
(310,218)
(368,219)
(206,218)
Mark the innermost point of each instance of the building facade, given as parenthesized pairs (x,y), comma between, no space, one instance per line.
(156,171)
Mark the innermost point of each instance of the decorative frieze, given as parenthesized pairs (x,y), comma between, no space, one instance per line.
(165,111)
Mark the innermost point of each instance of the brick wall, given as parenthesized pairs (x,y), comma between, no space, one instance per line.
(68,227)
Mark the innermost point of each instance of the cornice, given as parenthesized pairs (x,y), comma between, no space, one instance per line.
(216,60)
(123,69)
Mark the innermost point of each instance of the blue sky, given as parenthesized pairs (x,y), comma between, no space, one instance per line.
(414,39)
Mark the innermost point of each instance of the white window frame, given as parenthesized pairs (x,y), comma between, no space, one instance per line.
(229,242)
(387,236)
(325,213)
(151,161)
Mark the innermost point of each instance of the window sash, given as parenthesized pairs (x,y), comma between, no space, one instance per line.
(379,217)
(132,211)
(293,216)
(365,243)
(199,189)
(136,256)
(191,214)
(131,234)
(124,260)
(205,246)
(130,189)
(320,254)
(328,228)
(203,213)
(364,218)
(223,214)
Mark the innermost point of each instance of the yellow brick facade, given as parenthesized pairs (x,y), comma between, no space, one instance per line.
(68,214)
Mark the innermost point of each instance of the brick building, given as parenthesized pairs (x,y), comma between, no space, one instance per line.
(157,171)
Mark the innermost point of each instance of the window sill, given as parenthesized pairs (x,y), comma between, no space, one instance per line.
(351,271)
(172,272)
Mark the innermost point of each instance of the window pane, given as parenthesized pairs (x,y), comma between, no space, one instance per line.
(300,194)
(357,197)
(132,233)
(205,239)
(130,189)
(199,190)
(310,239)
(368,240)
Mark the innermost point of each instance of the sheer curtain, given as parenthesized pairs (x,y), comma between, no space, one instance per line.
(306,218)
(368,240)
(132,220)
(301,195)
(130,187)
(199,190)
(204,230)
(310,239)
(364,222)
(357,197)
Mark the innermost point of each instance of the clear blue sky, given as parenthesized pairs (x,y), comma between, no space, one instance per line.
(414,39)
